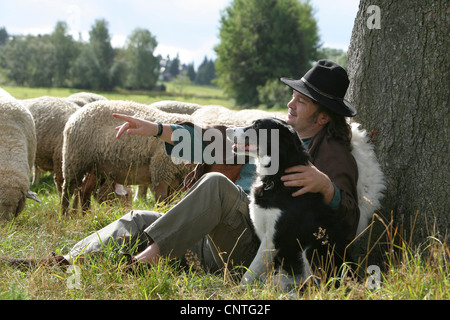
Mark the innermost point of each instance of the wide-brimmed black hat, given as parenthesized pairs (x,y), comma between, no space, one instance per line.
(325,83)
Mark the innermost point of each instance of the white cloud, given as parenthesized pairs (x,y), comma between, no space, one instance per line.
(118,40)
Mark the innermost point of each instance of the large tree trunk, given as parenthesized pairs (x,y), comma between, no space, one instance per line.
(399,72)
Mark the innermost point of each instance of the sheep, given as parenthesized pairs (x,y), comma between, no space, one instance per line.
(81,124)
(90,144)
(50,115)
(210,115)
(17,153)
(83,98)
(176,106)
(215,114)
(251,115)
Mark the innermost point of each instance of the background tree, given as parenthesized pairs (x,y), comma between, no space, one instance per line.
(337,55)
(3,36)
(14,57)
(142,64)
(274,94)
(29,60)
(174,66)
(42,61)
(120,68)
(93,67)
(83,71)
(262,40)
(399,70)
(66,51)
(206,72)
(191,72)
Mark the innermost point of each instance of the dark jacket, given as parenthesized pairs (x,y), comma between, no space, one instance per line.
(336,161)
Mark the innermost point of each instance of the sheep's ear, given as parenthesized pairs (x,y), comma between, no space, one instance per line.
(33,196)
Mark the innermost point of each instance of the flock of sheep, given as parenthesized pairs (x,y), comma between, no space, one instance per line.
(74,138)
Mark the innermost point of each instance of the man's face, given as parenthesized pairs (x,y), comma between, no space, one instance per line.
(302,115)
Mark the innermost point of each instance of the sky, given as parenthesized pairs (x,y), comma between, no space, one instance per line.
(189,28)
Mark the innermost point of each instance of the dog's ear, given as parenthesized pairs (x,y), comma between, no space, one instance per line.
(279,121)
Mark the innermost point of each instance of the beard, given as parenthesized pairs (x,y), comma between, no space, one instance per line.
(303,126)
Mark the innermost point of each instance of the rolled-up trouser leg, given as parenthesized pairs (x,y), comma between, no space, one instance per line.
(212,220)
(126,230)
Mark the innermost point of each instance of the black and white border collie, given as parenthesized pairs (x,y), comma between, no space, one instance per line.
(298,234)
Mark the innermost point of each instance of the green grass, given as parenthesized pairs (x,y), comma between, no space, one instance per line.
(408,273)
(40,229)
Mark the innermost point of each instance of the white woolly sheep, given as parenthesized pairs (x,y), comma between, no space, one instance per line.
(83,98)
(173,106)
(50,115)
(17,153)
(90,143)
(222,114)
(210,115)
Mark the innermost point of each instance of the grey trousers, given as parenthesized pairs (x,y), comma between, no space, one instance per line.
(212,221)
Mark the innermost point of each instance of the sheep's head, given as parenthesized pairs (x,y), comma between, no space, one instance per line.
(13,204)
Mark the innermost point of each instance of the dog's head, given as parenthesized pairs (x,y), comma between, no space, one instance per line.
(270,140)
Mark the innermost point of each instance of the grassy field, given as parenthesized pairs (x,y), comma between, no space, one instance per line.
(411,273)
(40,230)
(205,95)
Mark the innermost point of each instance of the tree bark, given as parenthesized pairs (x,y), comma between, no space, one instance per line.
(399,82)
